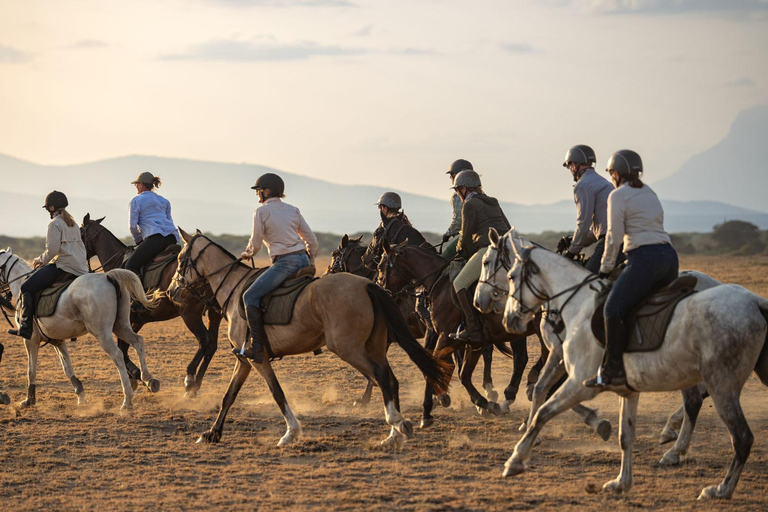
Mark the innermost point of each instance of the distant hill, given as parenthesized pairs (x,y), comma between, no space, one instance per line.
(216,197)
(734,171)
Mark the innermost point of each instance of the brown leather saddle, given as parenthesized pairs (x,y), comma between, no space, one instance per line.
(649,321)
(152,272)
(47,299)
(279,303)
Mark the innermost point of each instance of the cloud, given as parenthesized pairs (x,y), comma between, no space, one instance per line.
(413,51)
(680,6)
(87,44)
(519,48)
(10,55)
(285,3)
(743,81)
(363,32)
(244,51)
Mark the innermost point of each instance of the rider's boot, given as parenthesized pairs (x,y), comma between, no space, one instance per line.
(255,351)
(27,308)
(472,334)
(611,372)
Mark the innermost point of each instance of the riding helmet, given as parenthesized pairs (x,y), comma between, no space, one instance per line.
(580,154)
(56,199)
(458,166)
(391,200)
(625,162)
(271,181)
(467,178)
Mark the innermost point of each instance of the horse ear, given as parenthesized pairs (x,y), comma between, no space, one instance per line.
(9,250)
(385,246)
(86,219)
(513,239)
(98,221)
(344,241)
(358,238)
(493,235)
(184,235)
(198,232)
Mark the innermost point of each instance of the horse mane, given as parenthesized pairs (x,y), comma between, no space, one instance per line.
(225,251)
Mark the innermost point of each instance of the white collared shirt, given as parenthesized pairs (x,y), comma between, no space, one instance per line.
(282,228)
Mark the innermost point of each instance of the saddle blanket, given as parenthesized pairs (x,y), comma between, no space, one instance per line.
(48,298)
(152,272)
(279,303)
(649,321)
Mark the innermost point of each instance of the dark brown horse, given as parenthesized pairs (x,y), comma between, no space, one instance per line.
(99,241)
(406,266)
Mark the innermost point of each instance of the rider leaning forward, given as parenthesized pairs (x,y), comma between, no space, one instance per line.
(64,254)
(291,244)
(394,228)
(479,212)
(636,216)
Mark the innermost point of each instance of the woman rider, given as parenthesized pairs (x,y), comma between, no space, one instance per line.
(479,212)
(395,228)
(64,254)
(291,245)
(449,251)
(151,224)
(636,216)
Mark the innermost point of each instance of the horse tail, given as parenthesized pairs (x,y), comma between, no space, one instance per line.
(761,368)
(130,287)
(436,372)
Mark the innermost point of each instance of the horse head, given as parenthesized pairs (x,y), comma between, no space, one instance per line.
(524,299)
(493,286)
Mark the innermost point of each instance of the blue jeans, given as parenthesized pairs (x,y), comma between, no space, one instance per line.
(42,279)
(593,263)
(274,277)
(649,268)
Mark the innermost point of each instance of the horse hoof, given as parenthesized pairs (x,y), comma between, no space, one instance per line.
(494,408)
(712,492)
(667,436)
(360,403)
(192,393)
(127,406)
(484,412)
(134,384)
(444,399)
(26,403)
(81,400)
(406,428)
(537,441)
(512,469)
(426,422)
(604,429)
(153,385)
(614,486)
(392,442)
(529,391)
(209,437)
(670,459)
(4,399)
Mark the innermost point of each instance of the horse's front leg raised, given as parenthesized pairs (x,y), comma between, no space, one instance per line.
(32,348)
(239,375)
(628,419)
(69,371)
(484,407)
(293,430)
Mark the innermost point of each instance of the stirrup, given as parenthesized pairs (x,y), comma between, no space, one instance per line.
(598,381)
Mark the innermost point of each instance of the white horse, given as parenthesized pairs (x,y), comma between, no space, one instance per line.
(491,295)
(95,303)
(716,335)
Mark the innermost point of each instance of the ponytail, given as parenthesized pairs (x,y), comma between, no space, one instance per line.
(156,182)
(67,218)
(404,219)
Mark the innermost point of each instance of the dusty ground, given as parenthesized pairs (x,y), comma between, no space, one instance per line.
(61,456)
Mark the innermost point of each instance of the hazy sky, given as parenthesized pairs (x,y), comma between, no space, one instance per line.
(386,92)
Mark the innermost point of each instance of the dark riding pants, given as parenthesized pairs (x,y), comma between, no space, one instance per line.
(147,250)
(593,263)
(42,278)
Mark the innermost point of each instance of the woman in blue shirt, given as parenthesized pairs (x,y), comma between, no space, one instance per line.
(152,227)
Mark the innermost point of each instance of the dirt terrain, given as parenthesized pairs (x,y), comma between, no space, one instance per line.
(58,455)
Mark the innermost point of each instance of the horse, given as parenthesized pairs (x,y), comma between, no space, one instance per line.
(717,336)
(348,314)
(99,241)
(95,303)
(402,266)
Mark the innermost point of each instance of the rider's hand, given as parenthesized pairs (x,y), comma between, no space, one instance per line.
(245,256)
(446,237)
(604,275)
(36,263)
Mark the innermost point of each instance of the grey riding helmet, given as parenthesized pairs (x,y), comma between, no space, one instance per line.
(580,154)
(458,166)
(391,200)
(468,178)
(625,162)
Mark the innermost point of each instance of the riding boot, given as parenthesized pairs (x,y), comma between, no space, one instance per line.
(472,334)
(27,309)
(258,337)
(611,372)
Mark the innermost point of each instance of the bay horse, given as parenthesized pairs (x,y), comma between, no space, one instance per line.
(402,266)
(99,241)
(348,314)
(95,303)
(718,336)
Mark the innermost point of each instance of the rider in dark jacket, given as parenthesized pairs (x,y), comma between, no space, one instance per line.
(394,227)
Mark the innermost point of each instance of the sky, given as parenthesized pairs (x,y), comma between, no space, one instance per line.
(384,93)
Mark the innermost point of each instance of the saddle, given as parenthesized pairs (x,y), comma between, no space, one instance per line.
(152,272)
(648,322)
(279,303)
(47,299)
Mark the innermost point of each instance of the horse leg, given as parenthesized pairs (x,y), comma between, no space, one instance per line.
(628,420)
(196,326)
(484,407)
(670,431)
(553,370)
(520,354)
(32,348)
(401,428)
(490,393)
(125,332)
(692,401)
(365,399)
(293,430)
(444,399)
(69,371)
(569,394)
(239,375)
(110,347)
(214,320)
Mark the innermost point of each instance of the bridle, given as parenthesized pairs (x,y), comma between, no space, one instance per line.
(501,260)
(89,242)
(340,261)
(6,306)
(389,265)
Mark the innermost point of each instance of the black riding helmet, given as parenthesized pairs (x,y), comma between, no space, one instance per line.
(271,181)
(56,199)
(580,154)
(460,165)
(625,163)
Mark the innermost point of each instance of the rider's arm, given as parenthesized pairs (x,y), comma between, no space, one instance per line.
(615,236)
(134,222)
(455,226)
(585,208)
(310,240)
(257,236)
(468,226)
(52,244)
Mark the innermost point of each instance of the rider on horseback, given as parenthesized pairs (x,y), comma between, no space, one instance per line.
(449,251)
(635,215)
(64,254)
(479,212)
(151,225)
(291,244)
(394,227)
(590,193)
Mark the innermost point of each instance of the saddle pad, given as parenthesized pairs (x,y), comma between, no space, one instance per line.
(152,272)
(279,303)
(648,322)
(47,299)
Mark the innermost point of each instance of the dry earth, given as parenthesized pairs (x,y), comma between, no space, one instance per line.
(58,455)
